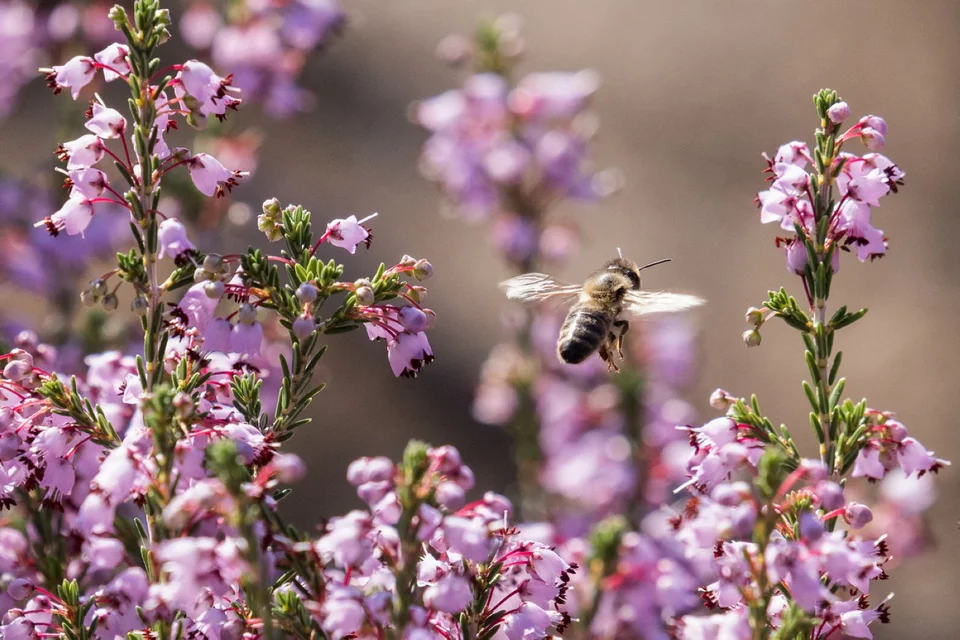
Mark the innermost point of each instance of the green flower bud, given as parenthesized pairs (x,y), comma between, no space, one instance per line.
(87,298)
(212,262)
(365,296)
(139,306)
(754,317)
(751,338)
(110,302)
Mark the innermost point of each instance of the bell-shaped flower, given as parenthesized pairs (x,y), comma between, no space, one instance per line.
(408,354)
(87,182)
(347,233)
(113,61)
(73,217)
(83,152)
(173,238)
(75,74)
(210,177)
(106,122)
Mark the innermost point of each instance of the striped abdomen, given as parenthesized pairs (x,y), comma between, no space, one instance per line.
(583,332)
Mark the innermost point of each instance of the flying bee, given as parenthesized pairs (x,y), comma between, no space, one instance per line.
(597,321)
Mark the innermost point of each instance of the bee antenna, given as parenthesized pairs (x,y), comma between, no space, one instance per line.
(620,253)
(653,264)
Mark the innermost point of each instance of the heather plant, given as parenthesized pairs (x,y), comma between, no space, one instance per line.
(35,33)
(779,545)
(141,494)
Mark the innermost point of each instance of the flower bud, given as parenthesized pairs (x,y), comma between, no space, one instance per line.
(365,296)
(431,318)
(813,470)
(413,319)
(751,338)
(139,306)
(247,314)
(876,123)
(200,274)
(857,515)
(872,139)
(422,270)
(272,208)
(214,289)
(407,261)
(87,298)
(830,495)
(212,262)
(17,370)
(183,403)
(754,317)
(20,589)
(110,302)
(303,327)
(288,468)
(418,293)
(721,400)
(811,528)
(306,292)
(838,112)
(98,287)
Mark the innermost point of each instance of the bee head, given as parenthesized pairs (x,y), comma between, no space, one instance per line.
(629,268)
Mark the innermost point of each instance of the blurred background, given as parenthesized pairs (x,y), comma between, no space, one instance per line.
(692,93)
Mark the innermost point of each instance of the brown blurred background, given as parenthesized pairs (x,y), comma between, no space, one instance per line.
(692,93)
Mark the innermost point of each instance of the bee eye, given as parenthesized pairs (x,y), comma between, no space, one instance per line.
(634,278)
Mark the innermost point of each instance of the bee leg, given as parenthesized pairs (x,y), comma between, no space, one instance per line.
(607,357)
(624,326)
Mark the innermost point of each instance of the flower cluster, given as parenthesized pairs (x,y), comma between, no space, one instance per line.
(264,45)
(420,559)
(512,150)
(860,181)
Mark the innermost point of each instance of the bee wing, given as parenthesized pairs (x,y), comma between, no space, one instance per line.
(539,287)
(641,303)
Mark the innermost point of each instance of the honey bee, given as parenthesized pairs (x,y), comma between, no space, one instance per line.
(597,321)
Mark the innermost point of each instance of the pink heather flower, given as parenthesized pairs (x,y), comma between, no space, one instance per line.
(106,122)
(867,188)
(132,389)
(731,625)
(838,112)
(288,467)
(555,94)
(872,139)
(868,464)
(449,594)
(87,182)
(795,152)
(73,217)
(83,152)
(408,354)
(854,219)
(246,339)
(249,440)
(347,233)
(777,205)
(75,74)
(210,177)
(507,163)
(102,553)
(857,515)
(197,307)
(529,621)
(913,456)
(347,541)
(365,470)
(876,123)
(114,61)
(342,612)
(468,538)
(209,89)
(796,255)
(216,336)
(173,238)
